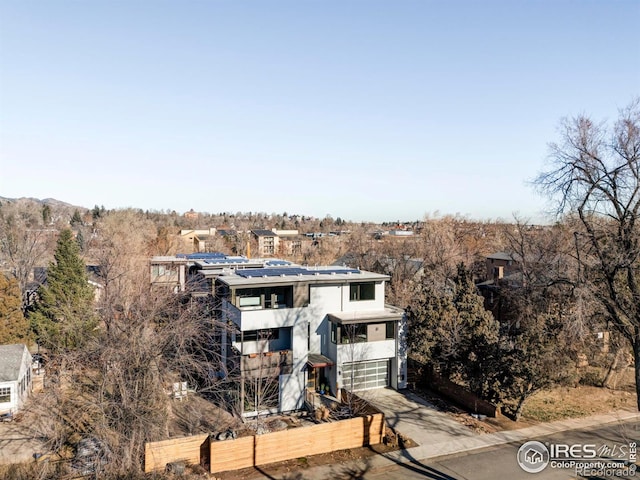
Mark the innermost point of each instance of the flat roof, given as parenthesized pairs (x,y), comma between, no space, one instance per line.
(390,313)
(280,276)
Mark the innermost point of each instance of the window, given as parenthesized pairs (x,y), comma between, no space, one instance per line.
(390,330)
(356,333)
(334,332)
(250,336)
(272,297)
(249,297)
(5,394)
(278,297)
(266,334)
(362,291)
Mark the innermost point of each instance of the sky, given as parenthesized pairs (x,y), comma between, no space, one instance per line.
(365,110)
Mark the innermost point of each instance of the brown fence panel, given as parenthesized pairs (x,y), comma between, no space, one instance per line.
(187,449)
(232,454)
(296,443)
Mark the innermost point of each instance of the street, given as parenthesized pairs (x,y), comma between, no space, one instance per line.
(500,462)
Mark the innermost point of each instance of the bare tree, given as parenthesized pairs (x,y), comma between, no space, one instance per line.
(117,390)
(595,175)
(23,244)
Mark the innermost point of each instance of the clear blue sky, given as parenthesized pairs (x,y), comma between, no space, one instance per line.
(365,110)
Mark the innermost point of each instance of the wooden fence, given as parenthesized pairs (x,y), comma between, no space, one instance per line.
(296,442)
(190,450)
(268,448)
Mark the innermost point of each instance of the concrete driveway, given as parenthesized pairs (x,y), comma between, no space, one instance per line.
(415,417)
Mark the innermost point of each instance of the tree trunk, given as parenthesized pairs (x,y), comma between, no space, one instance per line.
(519,408)
(612,368)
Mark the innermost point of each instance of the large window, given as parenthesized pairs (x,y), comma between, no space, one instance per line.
(359,332)
(269,297)
(5,395)
(355,333)
(249,298)
(266,334)
(362,291)
(162,270)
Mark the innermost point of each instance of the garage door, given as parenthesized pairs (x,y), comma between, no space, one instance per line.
(365,375)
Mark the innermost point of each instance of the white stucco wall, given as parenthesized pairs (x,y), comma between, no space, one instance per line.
(362,305)
(12,405)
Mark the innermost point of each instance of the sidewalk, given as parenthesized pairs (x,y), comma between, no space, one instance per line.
(456,444)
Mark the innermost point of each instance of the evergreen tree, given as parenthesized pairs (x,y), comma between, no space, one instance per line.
(450,328)
(80,240)
(537,356)
(14,328)
(46,215)
(76,219)
(64,317)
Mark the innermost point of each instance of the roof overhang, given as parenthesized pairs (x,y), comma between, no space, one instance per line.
(315,360)
(389,314)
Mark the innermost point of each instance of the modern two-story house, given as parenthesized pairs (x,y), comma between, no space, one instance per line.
(295,329)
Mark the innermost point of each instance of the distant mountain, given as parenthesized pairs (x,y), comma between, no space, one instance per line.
(52,202)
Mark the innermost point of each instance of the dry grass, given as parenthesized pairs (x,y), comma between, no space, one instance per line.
(582,401)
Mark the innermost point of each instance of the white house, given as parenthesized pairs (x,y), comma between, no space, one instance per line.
(15,377)
(295,328)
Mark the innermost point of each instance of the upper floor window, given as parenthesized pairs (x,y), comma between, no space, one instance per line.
(362,291)
(249,297)
(270,297)
(265,334)
(362,332)
(162,270)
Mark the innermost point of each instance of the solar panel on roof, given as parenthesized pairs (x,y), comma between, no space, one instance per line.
(273,263)
(337,270)
(226,261)
(205,256)
(290,271)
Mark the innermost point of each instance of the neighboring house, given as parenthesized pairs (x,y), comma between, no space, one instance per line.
(401,233)
(499,265)
(169,272)
(268,242)
(191,214)
(291,243)
(94,278)
(15,377)
(197,240)
(501,271)
(293,329)
(194,273)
